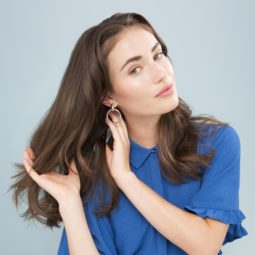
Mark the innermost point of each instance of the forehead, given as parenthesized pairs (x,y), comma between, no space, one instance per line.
(131,42)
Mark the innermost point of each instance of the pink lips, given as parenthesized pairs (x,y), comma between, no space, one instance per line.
(165,89)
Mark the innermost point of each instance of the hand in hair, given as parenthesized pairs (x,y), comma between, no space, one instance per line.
(118,158)
(57,185)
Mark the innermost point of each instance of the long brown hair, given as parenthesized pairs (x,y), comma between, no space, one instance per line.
(74,127)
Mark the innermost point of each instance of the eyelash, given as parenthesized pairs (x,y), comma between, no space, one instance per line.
(159,53)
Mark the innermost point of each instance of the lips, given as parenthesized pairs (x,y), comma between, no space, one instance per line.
(167,87)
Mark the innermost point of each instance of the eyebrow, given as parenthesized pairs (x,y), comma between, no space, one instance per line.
(138,57)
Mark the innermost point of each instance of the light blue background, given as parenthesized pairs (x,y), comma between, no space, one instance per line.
(210,42)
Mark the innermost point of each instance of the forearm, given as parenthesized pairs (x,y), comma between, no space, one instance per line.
(188,231)
(79,238)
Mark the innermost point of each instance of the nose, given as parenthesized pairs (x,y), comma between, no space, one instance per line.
(158,72)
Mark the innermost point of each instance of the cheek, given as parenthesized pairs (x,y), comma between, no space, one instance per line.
(134,99)
(131,92)
(131,87)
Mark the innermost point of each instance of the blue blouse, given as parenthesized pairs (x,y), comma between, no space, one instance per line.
(126,232)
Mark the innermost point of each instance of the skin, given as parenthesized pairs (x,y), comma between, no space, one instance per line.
(135,96)
(66,190)
(137,84)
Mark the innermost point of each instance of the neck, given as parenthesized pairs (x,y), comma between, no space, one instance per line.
(143,130)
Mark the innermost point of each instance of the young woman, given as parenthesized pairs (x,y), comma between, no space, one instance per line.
(120,159)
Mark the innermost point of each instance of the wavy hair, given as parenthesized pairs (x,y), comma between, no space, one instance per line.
(74,127)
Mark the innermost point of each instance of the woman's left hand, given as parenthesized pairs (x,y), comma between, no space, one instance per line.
(118,158)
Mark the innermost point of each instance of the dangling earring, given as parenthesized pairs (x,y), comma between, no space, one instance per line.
(112,110)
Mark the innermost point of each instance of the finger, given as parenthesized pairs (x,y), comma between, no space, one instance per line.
(52,174)
(28,154)
(122,124)
(73,167)
(33,174)
(108,153)
(117,126)
(115,133)
(31,153)
(27,157)
(124,127)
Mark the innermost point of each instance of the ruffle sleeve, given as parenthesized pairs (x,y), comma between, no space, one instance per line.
(231,217)
(218,196)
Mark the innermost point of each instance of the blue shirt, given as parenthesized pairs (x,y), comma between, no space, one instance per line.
(126,232)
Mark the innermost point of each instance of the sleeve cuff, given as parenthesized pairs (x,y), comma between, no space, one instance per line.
(231,217)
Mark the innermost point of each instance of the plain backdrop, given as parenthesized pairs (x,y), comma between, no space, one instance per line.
(211,44)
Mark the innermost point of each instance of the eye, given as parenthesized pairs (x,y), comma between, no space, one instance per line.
(159,55)
(133,70)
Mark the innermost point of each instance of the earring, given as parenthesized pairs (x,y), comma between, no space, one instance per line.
(112,110)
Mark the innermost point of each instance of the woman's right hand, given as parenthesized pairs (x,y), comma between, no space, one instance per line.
(57,185)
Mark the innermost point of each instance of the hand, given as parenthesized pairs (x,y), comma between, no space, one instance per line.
(118,159)
(57,185)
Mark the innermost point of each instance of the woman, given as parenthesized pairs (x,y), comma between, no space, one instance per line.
(120,159)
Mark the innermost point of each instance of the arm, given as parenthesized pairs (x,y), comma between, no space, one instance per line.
(190,232)
(79,238)
(66,190)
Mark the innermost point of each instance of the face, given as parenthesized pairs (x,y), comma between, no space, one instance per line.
(136,83)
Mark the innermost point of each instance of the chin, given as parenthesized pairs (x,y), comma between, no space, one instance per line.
(173,104)
(176,101)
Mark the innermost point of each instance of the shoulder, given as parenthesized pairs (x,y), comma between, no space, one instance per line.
(226,133)
(219,136)
(226,141)
(223,170)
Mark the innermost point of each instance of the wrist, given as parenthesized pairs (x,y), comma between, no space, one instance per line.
(70,203)
(125,179)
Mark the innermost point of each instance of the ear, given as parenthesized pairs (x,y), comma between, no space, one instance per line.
(108,101)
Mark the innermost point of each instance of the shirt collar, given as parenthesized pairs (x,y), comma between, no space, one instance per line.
(138,153)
